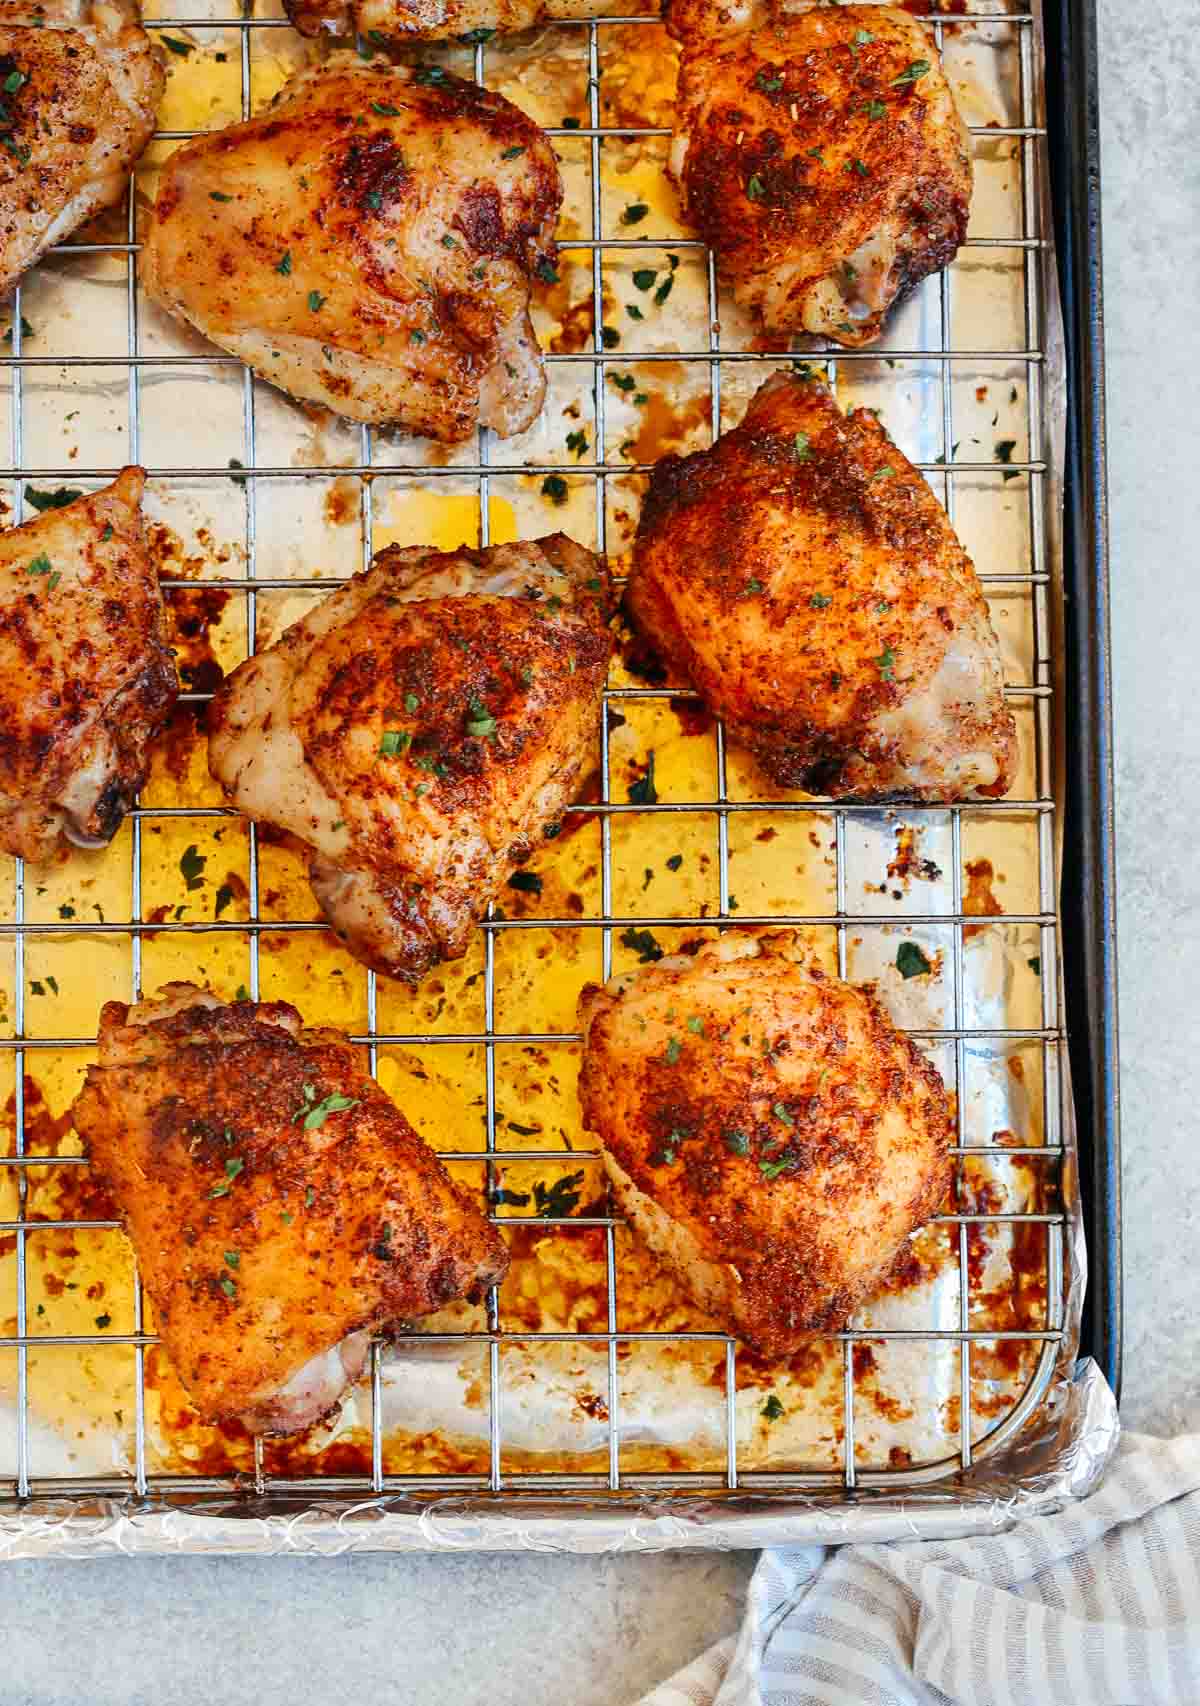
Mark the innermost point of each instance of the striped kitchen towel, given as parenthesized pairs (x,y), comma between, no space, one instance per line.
(1097,1606)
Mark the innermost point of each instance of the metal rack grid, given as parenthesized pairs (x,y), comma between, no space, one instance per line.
(1041,806)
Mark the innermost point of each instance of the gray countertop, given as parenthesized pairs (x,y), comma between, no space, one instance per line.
(448,1632)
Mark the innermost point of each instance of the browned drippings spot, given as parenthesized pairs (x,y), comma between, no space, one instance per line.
(641,70)
(665,425)
(908,862)
(44,1131)
(978,900)
(299,1454)
(593,1405)
(343,502)
(577,325)
(1016,1067)
(767,834)
(694,716)
(863,1359)
(899,1457)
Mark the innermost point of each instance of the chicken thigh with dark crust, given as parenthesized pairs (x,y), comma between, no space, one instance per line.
(804,577)
(767,1131)
(821,154)
(281,1207)
(86,678)
(420,730)
(367,243)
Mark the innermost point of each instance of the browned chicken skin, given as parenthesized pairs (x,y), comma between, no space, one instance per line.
(86,678)
(281,1207)
(420,729)
(802,574)
(767,1132)
(81,85)
(367,243)
(428,20)
(821,154)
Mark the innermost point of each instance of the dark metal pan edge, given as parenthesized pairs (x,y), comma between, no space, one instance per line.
(1089,873)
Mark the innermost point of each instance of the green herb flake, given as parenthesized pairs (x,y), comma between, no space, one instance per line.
(768,85)
(242,993)
(474,38)
(103,1321)
(315,301)
(577,442)
(696,1025)
(756,190)
(885,663)
(430,75)
(107,534)
(644,277)
(560,1199)
(781,1113)
(14,81)
(233,1259)
(643,792)
(39,566)
(66,910)
(859,167)
(634,213)
(1035,965)
(224,899)
(1004,453)
(51,500)
(182,48)
(664,289)
(416,337)
(874,109)
(547,271)
(801,448)
(751,588)
(911,962)
(513,153)
(674,1050)
(191,866)
(310,1196)
(525,882)
(819,601)
(912,73)
(643,944)
(571,123)
(218,195)
(609,335)
(479,723)
(284,266)
(623,381)
(772,1409)
(634,312)
(674,862)
(313,1114)
(736,1142)
(862,37)
(384,111)
(772,1169)
(887,472)
(229,1286)
(555,488)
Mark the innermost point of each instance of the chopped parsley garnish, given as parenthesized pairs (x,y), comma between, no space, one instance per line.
(862,37)
(314,1113)
(634,312)
(801,449)
(479,722)
(634,213)
(242,993)
(696,1025)
(525,882)
(527,673)
(609,335)
(885,663)
(224,898)
(873,109)
(643,945)
(556,1202)
(474,37)
(664,289)
(858,166)
(103,1321)
(411,701)
(767,84)
(912,73)
(191,866)
(819,601)
(229,1286)
(315,300)
(39,566)
(430,74)
(449,242)
(51,500)
(232,1168)
(772,1169)
(416,337)
(781,1113)
(239,479)
(283,265)
(555,488)
(374,199)
(1004,453)
(644,277)
(577,442)
(393,742)
(514,152)
(887,472)
(772,1409)
(643,792)
(107,534)
(66,910)
(571,123)
(751,587)
(218,195)
(13,82)
(310,1196)
(547,271)
(623,381)
(911,962)
(756,190)
(1035,965)
(674,1050)
(233,1259)
(737,1143)
(182,48)
(384,111)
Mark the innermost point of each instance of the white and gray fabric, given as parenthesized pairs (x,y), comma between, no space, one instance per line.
(1097,1606)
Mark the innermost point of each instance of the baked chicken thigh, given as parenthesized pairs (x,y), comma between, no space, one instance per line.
(79,88)
(822,156)
(429,20)
(281,1207)
(804,577)
(367,243)
(419,730)
(86,678)
(767,1132)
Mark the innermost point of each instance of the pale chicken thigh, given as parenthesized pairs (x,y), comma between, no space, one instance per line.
(820,153)
(767,1132)
(430,20)
(420,730)
(368,243)
(86,677)
(281,1207)
(804,577)
(79,89)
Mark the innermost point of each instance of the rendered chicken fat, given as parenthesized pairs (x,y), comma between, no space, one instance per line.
(768,1133)
(804,577)
(281,1207)
(368,243)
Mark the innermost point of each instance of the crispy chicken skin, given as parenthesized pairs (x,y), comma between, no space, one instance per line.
(367,243)
(768,1133)
(822,156)
(74,124)
(804,577)
(428,20)
(281,1207)
(86,678)
(420,729)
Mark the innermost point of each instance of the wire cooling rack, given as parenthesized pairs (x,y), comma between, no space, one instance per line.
(1032,578)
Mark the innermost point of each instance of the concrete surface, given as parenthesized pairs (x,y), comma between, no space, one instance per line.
(597,1632)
